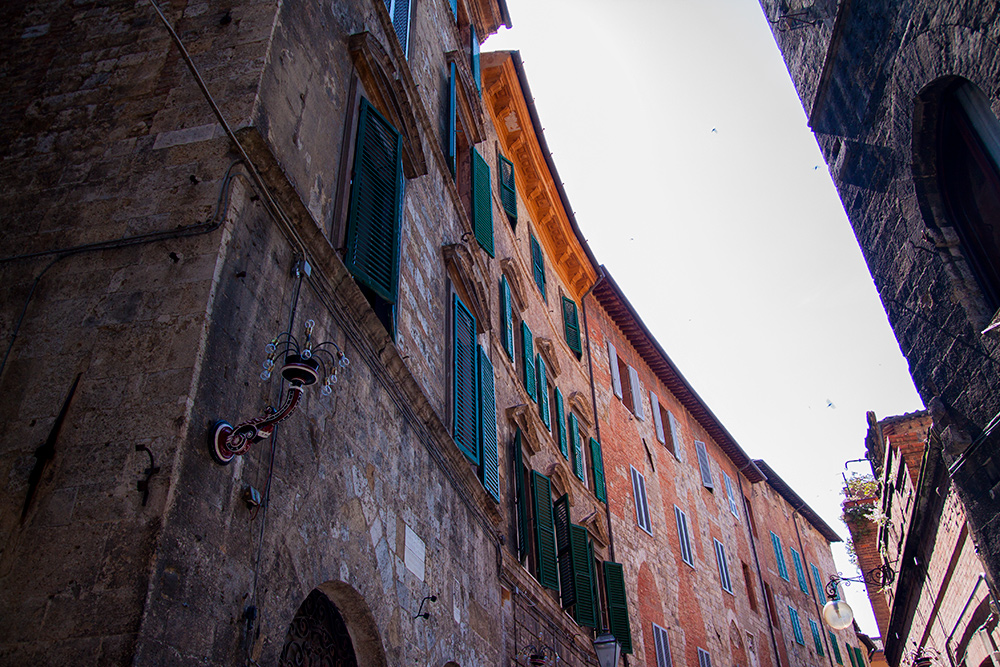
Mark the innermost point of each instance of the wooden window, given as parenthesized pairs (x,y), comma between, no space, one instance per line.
(751,589)
(636,406)
(545,537)
(571,326)
(772,609)
(779,556)
(641,505)
(657,410)
(616,378)
(618,623)
(465,413)
(489,467)
(625,371)
(508,189)
(704,658)
(793,617)
(482,203)
(720,557)
(662,643)
(507,315)
(538,265)
(597,467)
(836,649)
(817,639)
(676,439)
(520,500)
(703,465)
(683,536)
(574,436)
(561,424)
(818,581)
(800,573)
(731,495)
(543,393)
(528,354)
(474,59)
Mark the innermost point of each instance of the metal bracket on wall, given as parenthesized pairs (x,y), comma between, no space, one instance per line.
(143,484)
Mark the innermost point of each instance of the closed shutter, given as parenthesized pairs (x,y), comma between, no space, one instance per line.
(574,436)
(376,200)
(779,556)
(654,405)
(614,585)
(543,393)
(465,381)
(474,59)
(633,378)
(561,424)
(793,617)
(677,436)
(597,459)
(489,469)
(820,589)
(571,325)
(583,613)
(817,640)
(616,378)
(545,536)
(452,119)
(860,657)
(507,313)
(706,470)
(567,585)
(521,499)
(529,360)
(508,189)
(850,654)
(538,265)
(800,573)
(482,202)
(662,643)
(836,649)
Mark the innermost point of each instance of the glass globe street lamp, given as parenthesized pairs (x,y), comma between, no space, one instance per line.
(837,613)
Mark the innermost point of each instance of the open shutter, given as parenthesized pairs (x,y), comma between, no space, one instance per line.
(850,654)
(543,393)
(545,535)
(598,461)
(817,640)
(489,469)
(376,201)
(399,11)
(507,313)
(675,435)
(466,408)
(452,119)
(858,654)
(508,189)
(654,405)
(633,378)
(836,649)
(538,265)
(561,424)
(582,582)
(482,203)
(616,378)
(614,585)
(574,436)
(703,465)
(521,498)
(474,59)
(529,360)
(567,589)
(571,325)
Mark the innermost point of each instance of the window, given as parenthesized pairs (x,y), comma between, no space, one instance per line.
(836,649)
(597,467)
(749,509)
(576,573)
(545,536)
(630,392)
(683,537)
(793,617)
(520,500)
(482,203)
(657,410)
(800,573)
(507,315)
(779,556)
(474,59)
(561,424)
(772,608)
(508,190)
(373,222)
(575,440)
(528,354)
(543,393)
(618,623)
(751,589)
(703,465)
(538,265)
(820,589)
(616,378)
(817,639)
(489,463)
(636,407)
(571,326)
(720,557)
(662,643)
(641,506)
(626,387)
(704,659)
(731,495)
(675,437)
(399,12)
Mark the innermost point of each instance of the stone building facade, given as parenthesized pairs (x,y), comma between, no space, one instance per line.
(902,96)
(938,604)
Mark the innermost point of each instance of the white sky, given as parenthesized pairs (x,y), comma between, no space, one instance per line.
(693,174)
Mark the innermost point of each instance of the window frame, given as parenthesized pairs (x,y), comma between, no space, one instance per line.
(641,509)
(720,557)
(661,643)
(684,536)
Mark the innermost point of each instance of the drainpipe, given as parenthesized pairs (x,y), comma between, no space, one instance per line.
(760,576)
(819,612)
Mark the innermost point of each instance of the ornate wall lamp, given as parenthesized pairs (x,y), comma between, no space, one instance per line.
(837,613)
(303,366)
(540,655)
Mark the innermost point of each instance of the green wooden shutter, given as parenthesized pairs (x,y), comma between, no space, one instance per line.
(614,585)
(820,589)
(474,59)
(850,654)
(595,592)
(376,201)
(779,556)
(529,360)
(482,204)
(861,660)
(582,581)
(489,469)
(567,589)
(836,649)
(543,393)
(538,265)
(452,119)
(466,409)
(508,189)
(574,436)
(800,573)
(507,312)
(545,536)
(817,639)
(521,498)
(561,424)
(571,325)
(598,461)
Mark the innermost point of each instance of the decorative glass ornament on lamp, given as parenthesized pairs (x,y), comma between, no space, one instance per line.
(304,365)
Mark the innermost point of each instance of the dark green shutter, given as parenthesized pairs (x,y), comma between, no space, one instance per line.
(561,424)
(376,201)
(567,590)
(861,660)
(529,360)
(571,325)
(452,119)
(543,393)
(574,436)
(850,654)
(482,204)
(489,469)
(836,649)
(595,592)
(508,189)
(545,535)
(582,580)
(507,312)
(614,585)
(474,59)
(598,461)
(521,498)
(538,265)
(466,406)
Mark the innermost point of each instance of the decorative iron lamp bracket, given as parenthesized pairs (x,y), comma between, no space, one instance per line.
(302,368)
(837,613)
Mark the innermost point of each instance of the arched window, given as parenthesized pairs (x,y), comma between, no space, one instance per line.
(968,169)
